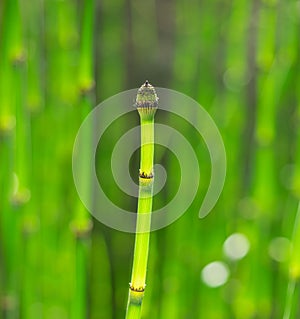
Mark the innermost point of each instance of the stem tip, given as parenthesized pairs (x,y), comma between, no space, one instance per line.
(146,99)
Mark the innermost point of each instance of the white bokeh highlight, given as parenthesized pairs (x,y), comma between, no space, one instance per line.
(215,274)
(236,246)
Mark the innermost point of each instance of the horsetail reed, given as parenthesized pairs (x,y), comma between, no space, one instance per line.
(146,103)
(59,59)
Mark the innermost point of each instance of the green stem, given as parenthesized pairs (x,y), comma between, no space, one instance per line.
(86,80)
(289,299)
(82,223)
(146,104)
(294,267)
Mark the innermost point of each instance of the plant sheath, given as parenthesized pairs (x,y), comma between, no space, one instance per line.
(146,103)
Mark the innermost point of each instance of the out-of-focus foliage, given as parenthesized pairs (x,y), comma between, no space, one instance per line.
(240,60)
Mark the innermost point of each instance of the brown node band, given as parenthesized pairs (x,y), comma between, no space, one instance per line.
(146,176)
(140,289)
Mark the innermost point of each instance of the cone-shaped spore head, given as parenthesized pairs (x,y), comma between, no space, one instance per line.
(146,101)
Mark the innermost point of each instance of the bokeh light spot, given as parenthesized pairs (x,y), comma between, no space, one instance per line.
(236,246)
(215,274)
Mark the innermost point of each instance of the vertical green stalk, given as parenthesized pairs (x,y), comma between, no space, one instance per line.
(82,224)
(56,127)
(28,122)
(294,268)
(110,37)
(146,103)
(11,54)
(291,301)
(110,78)
(11,126)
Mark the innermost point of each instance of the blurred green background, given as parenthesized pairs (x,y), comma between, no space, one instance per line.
(240,60)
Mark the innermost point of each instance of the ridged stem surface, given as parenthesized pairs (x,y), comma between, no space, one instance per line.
(138,279)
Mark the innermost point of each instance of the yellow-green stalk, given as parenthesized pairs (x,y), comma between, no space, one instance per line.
(146,103)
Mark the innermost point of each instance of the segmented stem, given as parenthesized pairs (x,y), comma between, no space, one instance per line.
(146,103)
